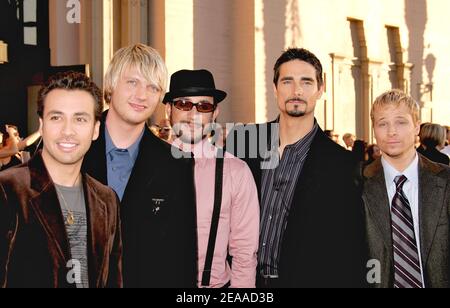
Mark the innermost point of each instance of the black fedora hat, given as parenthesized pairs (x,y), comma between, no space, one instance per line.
(193,83)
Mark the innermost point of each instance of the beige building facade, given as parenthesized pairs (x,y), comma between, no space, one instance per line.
(365,46)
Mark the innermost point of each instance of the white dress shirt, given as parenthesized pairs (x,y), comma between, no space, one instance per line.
(411,190)
(446,150)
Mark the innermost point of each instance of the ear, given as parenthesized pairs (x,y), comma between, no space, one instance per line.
(96,131)
(41,124)
(168,111)
(216,113)
(321,90)
(417,128)
(275,90)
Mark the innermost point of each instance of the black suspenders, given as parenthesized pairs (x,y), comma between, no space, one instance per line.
(215,219)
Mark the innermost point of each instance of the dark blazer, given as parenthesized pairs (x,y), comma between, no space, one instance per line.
(158,214)
(435,156)
(434,216)
(34,247)
(323,245)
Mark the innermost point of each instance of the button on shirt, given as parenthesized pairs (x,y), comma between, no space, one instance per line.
(411,190)
(120,163)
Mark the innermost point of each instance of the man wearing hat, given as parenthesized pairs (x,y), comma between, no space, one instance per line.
(227,198)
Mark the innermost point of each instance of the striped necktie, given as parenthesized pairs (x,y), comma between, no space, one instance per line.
(406,257)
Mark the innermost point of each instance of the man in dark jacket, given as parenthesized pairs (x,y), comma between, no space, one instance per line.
(311,207)
(58,226)
(406,202)
(156,189)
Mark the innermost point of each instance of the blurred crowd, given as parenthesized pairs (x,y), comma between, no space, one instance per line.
(14,150)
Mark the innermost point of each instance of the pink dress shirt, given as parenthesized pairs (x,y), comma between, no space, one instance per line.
(238,231)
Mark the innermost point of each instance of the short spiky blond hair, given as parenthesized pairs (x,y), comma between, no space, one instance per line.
(146,59)
(396,97)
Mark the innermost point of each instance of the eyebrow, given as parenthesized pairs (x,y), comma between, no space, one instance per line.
(85,114)
(287,78)
(138,78)
(190,100)
(302,79)
(395,118)
(77,114)
(54,112)
(130,77)
(307,79)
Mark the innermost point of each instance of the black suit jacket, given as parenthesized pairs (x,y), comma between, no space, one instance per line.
(158,212)
(434,217)
(323,245)
(434,155)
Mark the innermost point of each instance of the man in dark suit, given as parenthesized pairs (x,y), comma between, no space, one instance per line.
(156,190)
(407,202)
(311,208)
(60,228)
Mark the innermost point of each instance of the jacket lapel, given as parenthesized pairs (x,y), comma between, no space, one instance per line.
(377,200)
(144,169)
(95,160)
(48,211)
(95,163)
(431,202)
(97,232)
(309,177)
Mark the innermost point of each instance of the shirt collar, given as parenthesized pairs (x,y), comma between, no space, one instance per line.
(307,140)
(133,149)
(202,151)
(411,172)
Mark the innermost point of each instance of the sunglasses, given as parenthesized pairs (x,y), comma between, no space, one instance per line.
(187,105)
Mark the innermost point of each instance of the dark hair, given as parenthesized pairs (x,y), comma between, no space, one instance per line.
(359,150)
(371,151)
(71,81)
(5,139)
(6,135)
(302,55)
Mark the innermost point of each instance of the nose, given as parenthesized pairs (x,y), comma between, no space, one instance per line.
(141,92)
(193,114)
(392,130)
(298,89)
(198,117)
(68,130)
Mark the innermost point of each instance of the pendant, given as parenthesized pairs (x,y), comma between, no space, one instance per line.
(70,219)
